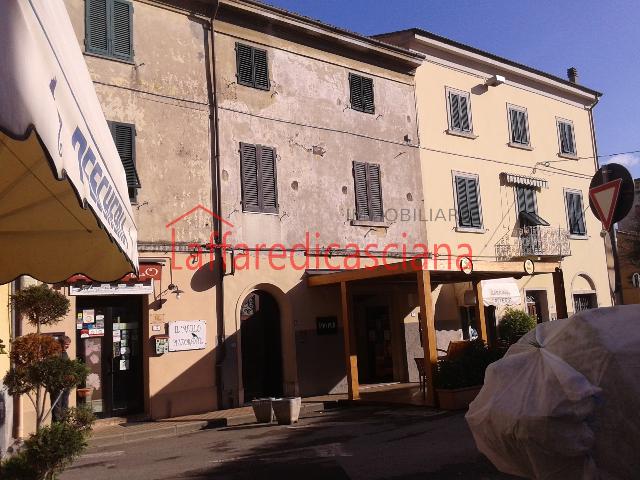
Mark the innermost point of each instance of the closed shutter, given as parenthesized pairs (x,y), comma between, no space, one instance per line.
(459,111)
(124,138)
(249,174)
(122,16)
(375,193)
(260,69)
(519,128)
(355,87)
(360,184)
(575,213)
(361,91)
(268,180)
(244,64)
(566,138)
(367,95)
(96,25)
(526,200)
(468,202)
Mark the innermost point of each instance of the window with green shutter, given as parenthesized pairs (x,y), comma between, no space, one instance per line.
(259,179)
(527,204)
(468,201)
(109,28)
(459,112)
(361,93)
(518,126)
(124,136)
(575,213)
(565,133)
(252,68)
(368,192)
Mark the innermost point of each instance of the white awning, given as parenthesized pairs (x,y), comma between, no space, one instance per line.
(64,204)
(501,292)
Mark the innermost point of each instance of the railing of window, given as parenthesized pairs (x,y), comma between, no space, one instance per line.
(536,241)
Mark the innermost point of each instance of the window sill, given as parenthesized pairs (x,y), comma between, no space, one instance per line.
(368,223)
(568,156)
(108,57)
(470,230)
(578,237)
(469,135)
(520,146)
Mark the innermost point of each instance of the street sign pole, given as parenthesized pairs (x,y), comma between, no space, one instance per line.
(611,195)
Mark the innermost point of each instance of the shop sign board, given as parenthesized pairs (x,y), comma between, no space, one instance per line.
(187,335)
(140,288)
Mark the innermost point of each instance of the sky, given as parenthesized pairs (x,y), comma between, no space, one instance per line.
(600,38)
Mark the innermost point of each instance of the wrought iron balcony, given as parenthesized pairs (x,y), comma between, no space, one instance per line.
(536,241)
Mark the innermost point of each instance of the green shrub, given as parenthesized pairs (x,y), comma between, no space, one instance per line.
(468,369)
(514,324)
(46,453)
(40,305)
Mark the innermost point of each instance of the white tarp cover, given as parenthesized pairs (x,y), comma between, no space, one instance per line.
(563,403)
(500,292)
(64,205)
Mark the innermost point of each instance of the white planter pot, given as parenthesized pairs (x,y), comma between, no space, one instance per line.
(287,410)
(262,409)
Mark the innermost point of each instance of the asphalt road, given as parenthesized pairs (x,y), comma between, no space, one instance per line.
(355,443)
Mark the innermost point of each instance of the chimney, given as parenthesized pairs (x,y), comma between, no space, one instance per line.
(572,74)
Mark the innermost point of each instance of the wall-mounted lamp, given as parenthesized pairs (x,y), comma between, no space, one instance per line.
(175,289)
(495,81)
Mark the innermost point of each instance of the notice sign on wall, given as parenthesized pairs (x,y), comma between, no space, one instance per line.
(187,335)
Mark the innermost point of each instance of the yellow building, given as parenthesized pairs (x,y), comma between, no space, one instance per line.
(507,154)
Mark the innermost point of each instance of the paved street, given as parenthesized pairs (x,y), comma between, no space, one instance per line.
(355,443)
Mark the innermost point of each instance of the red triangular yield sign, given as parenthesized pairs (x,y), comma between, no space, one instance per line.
(605,199)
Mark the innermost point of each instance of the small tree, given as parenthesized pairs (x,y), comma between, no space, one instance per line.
(47,452)
(514,324)
(40,305)
(39,372)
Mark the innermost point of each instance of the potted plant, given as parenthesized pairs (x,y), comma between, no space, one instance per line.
(459,381)
(262,409)
(514,324)
(287,410)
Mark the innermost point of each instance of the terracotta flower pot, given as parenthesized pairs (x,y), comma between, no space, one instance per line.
(84,392)
(457,399)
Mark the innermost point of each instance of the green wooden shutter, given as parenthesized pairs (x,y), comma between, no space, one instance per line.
(249,178)
(355,88)
(260,69)
(360,189)
(575,213)
(526,198)
(519,127)
(454,107)
(473,202)
(268,180)
(465,124)
(244,64)
(374,193)
(124,137)
(464,214)
(566,138)
(97,26)
(368,103)
(122,29)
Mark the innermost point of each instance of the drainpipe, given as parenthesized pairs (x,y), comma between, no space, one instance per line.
(216,200)
(16,331)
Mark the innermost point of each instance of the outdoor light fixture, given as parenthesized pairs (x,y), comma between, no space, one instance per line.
(175,289)
(495,81)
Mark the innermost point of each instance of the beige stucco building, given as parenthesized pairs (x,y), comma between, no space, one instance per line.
(271,158)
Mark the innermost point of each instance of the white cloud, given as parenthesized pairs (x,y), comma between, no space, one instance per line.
(628,160)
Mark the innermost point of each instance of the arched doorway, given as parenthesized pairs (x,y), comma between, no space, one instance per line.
(261,346)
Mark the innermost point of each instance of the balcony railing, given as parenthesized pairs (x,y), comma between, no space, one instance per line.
(534,241)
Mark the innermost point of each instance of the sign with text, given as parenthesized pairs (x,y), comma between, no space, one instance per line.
(327,325)
(187,335)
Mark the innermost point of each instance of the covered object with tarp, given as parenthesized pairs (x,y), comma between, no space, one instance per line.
(563,403)
(64,206)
